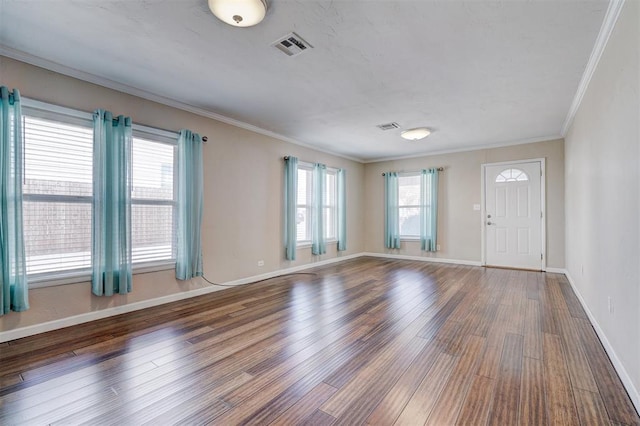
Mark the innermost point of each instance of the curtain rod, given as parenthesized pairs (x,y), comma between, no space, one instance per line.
(440,169)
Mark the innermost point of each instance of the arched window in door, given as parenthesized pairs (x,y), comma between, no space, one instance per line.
(512,175)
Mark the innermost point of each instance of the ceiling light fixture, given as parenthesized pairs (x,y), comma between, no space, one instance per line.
(239,13)
(416,134)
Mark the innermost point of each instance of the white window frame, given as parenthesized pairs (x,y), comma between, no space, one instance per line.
(334,207)
(330,170)
(32,107)
(164,137)
(418,206)
(307,207)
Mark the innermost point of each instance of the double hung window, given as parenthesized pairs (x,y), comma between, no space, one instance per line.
(153,198)
(409,205)
(304,204)
(58,192)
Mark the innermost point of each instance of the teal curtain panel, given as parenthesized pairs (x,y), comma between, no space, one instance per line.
(290,200)
(429,209)
(13,270)
(342,210)
(111,209)
(318,203)
(391,213)
(190,206)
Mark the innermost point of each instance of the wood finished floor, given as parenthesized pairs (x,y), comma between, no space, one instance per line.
(367,341)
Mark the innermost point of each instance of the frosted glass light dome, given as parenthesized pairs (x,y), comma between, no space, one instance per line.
(416,134)
(239,13)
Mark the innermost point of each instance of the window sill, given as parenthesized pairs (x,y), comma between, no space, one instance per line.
(62,278)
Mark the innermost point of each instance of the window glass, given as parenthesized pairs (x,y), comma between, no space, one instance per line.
(152,198)
(330,209)
(409,205)
(512,175)
(303,214)
(57,192)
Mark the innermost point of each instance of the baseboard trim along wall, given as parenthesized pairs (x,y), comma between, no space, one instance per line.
(617,364)
(423,258)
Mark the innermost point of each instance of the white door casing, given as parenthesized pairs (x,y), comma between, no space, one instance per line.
(513,215)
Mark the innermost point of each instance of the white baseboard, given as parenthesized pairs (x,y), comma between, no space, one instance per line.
(617,364)
(556,271)
(424,259)
(292,270)
(31,330)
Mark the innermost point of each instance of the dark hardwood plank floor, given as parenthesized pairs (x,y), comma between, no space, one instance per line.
(366,341)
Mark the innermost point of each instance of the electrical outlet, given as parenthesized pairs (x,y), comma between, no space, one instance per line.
(610,303)
(260,262)
(437,247)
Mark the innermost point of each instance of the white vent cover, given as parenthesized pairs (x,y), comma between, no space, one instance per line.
(388,126)
(292,44)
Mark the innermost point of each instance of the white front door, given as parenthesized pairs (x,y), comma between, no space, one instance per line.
(513,215)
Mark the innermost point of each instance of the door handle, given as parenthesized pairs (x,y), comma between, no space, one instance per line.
(490,223)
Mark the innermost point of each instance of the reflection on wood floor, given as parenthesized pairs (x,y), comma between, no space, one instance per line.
(364,341)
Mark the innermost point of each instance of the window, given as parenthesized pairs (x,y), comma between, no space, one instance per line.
(153,201)
(409,205)
(304,204)
(331,204)
(512,175)
(58,192)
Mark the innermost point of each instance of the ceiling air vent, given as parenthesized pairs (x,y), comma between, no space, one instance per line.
(292,44)
(388,126)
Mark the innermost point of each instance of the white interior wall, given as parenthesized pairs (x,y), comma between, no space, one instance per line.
(602,152)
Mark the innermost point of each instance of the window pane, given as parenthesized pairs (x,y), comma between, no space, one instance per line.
(58,162)
(303,224)
(152,225)
(409,221)
(57,236)
(303,215)
(330,189)
(304,187)
(330,222)
(409,190)
(152,170)
(151,232)
(58,158)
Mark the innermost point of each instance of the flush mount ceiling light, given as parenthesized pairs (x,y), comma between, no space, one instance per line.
(239,13)
(416,134)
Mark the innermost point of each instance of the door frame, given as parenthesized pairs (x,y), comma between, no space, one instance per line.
(543,207)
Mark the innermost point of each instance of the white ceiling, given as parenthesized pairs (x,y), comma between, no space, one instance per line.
(478,73)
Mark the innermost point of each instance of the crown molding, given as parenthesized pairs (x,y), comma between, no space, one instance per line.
(467,149)
(130,90)
(609,22)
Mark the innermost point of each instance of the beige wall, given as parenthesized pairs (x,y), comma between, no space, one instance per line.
(459,226)
(603,194)
(243,173)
